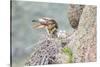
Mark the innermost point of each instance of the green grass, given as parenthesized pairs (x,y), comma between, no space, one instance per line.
(69,53)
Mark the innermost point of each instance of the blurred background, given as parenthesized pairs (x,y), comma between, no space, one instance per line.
(23,36)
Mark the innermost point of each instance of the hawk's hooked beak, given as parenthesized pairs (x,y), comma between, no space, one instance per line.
(39,24)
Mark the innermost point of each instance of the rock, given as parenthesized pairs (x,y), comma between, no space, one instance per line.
(83,40)
(74,14)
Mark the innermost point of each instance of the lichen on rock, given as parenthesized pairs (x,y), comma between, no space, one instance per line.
(84,39)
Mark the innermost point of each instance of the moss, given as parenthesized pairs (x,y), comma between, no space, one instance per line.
(69,53)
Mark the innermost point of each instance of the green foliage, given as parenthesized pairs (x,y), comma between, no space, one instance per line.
(69,53)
